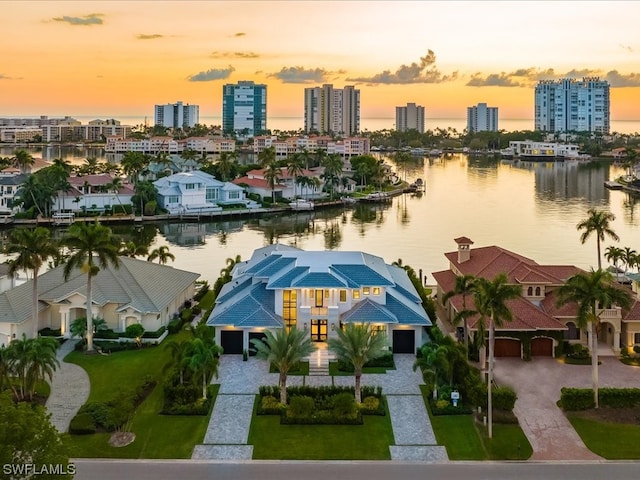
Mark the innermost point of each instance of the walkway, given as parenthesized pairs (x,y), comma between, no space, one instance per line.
(228,431)
(70,389)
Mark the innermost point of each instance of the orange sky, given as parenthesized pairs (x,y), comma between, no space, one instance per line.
(114,58)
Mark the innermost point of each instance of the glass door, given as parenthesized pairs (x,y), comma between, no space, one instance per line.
(319,330)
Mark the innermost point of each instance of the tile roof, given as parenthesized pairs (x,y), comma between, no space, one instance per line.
(407,313)
(368,311)
(319,280)
(634,313)
(361,275)
(286,280)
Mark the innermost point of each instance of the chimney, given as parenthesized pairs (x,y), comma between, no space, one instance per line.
(464,249)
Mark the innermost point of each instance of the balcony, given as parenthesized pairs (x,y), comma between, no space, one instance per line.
(610,313)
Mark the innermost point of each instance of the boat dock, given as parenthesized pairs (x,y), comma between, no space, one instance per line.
(613,185)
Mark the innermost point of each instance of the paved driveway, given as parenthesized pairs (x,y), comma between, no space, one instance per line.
(538,385)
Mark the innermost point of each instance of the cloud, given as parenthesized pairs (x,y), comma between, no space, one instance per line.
(239,34)
(210,75)
(527,77)
(617,79)
(5,77)
(424,71)
(301,75)
(234,55)
(91,19)
(628,48)
(492,80)
(151,36)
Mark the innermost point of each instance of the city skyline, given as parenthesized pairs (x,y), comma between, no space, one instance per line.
(122,58)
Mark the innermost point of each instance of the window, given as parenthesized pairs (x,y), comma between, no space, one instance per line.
(171,199)
(190,186)
(319,294)
(573,332)
(290,308)
(379,327)
(376,290)
(212,194)
(365,290)
(356,294)
(636,338)
(343,296)
(234,195)
(530,291)
(537,291)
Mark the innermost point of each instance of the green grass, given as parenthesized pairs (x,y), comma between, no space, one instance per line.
(206,302)
(333,370)
(272,441)
(598,437)
(121,370)
(301,369)
(464,439)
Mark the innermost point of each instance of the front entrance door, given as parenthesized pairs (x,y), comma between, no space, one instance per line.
(319,330)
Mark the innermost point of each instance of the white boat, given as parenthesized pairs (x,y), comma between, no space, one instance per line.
(376,197)
(300,204)
(435,152)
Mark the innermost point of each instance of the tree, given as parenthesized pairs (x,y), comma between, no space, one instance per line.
(464,286)
(614,254)
(630,257)
(283,349)
(134,164)
(23,160)
(591,292)
(161,253)
(114,186)
(272,175)
(598,222)
(94,247)
(78,327)
(295,168)
(179,356)
(490,298)
(332,170)
(29,438)
(202,360)
(29,360)
(226,164)
(131,249)
(225,274)
(267,156)
(34,247)
(356,345)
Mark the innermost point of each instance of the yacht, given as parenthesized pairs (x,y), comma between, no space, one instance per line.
(301,204)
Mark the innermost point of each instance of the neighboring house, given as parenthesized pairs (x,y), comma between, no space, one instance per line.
(93,193)
(286,187)
(538,326)
(123,296)
(318,291)
(198,192)
(10,181)
(7,281)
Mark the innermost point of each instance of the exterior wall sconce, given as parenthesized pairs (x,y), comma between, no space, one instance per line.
(306,326)
(333,326)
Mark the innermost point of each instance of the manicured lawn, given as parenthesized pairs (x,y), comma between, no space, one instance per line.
(333,370)
(464,439)
(370,441)
(598,437)
(157,436)
(301,369)
(206,303)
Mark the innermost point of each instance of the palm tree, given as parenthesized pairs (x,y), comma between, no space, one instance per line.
(283,349)
(272,175)
(131,249)
(22,159)
(114,186)
(614,254)
(225,164)
(591,292)
(630,257)
(332,170)
(163,255)
(34,247)
(439,360)
(490,298)
(267,157)
(179,356)
(294,168)
(93,247)
(78,327)
(356,345)
(202,360)
(41,362)
(464,286)
(597,221)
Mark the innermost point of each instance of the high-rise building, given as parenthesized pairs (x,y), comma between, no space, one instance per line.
(482,118)
(410,117)
(244,108)
(572,105)
(332,110)
(177,115)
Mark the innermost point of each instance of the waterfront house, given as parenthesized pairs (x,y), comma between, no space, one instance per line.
(286,187)
(320,292)
(123,296)
(10,181)
(93,193)
(198,192)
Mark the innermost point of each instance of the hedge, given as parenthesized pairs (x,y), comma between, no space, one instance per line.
(385,361)
(157,334)
(82,424)
(572,399)
(315,392)
(504,398)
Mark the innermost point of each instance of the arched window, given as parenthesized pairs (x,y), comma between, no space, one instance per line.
(537,291)
(530,291)
(573,332)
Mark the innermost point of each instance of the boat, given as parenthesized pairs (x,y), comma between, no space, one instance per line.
(299,205)
(376,197)
(435,152)
(348,200)
(417,186)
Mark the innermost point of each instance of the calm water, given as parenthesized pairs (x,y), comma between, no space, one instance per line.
(530,208)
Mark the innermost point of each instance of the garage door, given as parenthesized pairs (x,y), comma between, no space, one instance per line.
(252,335)
(507,347)
(231,341)
(404,341)
(542,347)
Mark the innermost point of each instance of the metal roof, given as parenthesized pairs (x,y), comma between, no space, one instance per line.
(368,311)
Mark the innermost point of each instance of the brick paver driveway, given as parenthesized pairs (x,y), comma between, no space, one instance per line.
(538,385)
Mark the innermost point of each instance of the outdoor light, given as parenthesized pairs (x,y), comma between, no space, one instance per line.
(305,325)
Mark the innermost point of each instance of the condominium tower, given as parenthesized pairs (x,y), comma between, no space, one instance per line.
(244,108)
(410,117)
(482,118)
(177,115)
(572,105)
(332,110)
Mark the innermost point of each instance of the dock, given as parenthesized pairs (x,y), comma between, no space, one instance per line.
(613,185)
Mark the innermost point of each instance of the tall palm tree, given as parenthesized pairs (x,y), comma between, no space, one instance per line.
(225,164)
(34,247)
(283,349)
(464,286)
(630,257)
(598,222)
(41,362)
(179,355)
(22,159)
(295,167)
(267,156)
(356,345)
(490,298)
(93,247)
(163,255)
(272,175)
(614,254)
(591,292)
(131,249)
(202,360)
(333,167)
(114,186)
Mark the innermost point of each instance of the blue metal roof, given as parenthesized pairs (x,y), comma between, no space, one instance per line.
(233,290)
(319,280)
(406,315)
(263,263)
(261,318)
(403,291)
(275,267)
(285,280)
(359,275)
(368,311)
(253,310)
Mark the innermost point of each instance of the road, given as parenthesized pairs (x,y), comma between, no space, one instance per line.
(277,470)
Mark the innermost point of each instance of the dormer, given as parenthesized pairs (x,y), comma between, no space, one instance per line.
(464,248)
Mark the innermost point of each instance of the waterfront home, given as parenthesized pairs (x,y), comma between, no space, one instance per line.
(121,296)
(320,292)
(542,151)
(198,192)
(10,181)
(539,326)
(93,193)
(255,182)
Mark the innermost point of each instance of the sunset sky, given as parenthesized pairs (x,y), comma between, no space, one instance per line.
(113,58)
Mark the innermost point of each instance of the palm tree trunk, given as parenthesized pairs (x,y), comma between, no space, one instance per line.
(594,362)
(283,389)
(490,379)
(35,303)
(599,260)
(204,384)
(357,387)
(89,316)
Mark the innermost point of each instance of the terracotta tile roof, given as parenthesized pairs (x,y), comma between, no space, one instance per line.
(634,313)
(446,279)
(283,173)
(463,240)
(256,182)
(526,316)
(549,304)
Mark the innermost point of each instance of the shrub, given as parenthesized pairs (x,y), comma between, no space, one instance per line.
(48,332)
(108,334)
(619,397)
(440,404)
(135,330)
(174,325)
(572,399)
(636,349)
(186,315)
(504,398)
(344,405)
(300,406)
(196,310)
(579,352)
(370,403)
(82,424)
(385,361)
(157,334)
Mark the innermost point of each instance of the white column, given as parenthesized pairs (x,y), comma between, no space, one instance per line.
(616,340)
(64,322)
